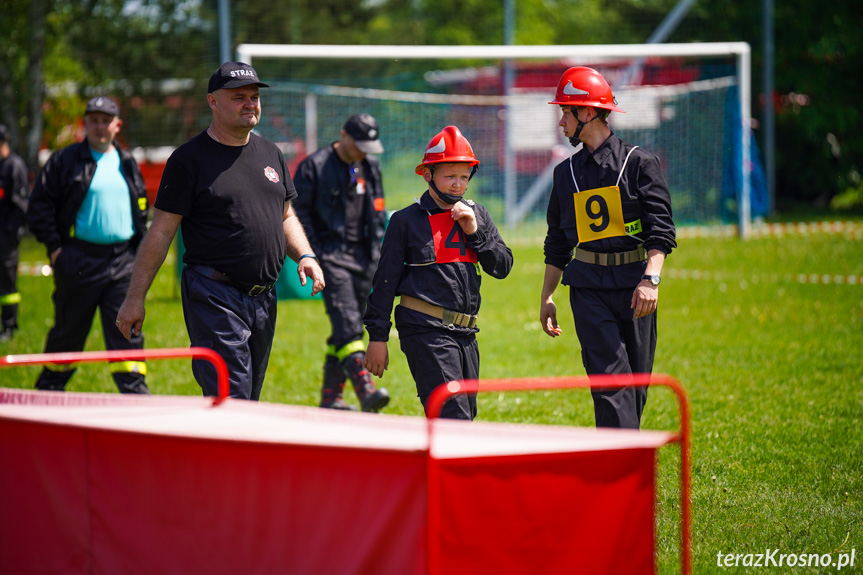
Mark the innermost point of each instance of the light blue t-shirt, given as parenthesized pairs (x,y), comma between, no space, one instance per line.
(105,216)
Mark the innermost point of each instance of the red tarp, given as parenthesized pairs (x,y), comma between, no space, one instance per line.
(110,484)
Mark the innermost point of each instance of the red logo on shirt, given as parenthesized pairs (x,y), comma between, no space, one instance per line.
(271,174)
(2,193)
(449,244)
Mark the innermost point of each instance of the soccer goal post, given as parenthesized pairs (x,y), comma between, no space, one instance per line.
(687,103)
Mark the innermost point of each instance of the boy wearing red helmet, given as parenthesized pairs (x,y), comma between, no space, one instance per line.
(430,257)
(610,208)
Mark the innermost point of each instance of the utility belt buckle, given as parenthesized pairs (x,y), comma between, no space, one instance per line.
(448,317)
(451,317)
(257,290)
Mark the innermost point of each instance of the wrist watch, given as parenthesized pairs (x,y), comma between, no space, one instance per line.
(652,279)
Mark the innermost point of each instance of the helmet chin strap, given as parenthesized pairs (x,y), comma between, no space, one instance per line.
(574,139)
(450,199)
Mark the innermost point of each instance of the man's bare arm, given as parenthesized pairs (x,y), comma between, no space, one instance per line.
(151,256)
(298,245)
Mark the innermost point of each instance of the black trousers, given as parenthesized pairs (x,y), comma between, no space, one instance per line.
(436,358)
(614,342)
(349,276)
(8,285)
(237,326)
(89,277)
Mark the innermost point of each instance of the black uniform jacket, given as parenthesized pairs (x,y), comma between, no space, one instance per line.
(62,186)
(322,184)
(644,196)
(408,266)
(14,192)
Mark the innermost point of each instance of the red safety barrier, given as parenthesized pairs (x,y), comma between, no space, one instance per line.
(63,358)
(445,392)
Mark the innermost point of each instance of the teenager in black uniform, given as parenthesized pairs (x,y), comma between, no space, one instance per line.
(14,190)
(89,207)
(431,257)
(609,205)
(340,201)
(231,192)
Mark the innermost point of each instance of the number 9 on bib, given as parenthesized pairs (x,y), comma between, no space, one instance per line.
(599,214)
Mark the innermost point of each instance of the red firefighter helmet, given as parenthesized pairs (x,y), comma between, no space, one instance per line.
(583,86)
(448,145)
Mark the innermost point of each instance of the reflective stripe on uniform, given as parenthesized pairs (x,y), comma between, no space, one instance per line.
(128,367)
(10,298)
(350,348)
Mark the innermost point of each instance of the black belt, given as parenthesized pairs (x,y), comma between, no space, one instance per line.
(92,249)
(253,290)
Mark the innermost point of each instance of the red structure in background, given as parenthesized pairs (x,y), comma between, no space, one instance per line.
(152,173)
(544,76)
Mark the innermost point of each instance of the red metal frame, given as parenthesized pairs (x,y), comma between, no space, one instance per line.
(444,392)
(129,355)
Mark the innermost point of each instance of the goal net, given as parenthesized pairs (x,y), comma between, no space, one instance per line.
(686,103)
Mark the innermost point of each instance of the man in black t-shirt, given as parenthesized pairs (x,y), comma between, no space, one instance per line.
(341,205)
(231,193)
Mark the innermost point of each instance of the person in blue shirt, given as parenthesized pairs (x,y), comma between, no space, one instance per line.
(89,207)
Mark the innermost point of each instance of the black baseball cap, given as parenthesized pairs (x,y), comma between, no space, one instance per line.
(103,105)
(364,130)
(234,75)
(4,133)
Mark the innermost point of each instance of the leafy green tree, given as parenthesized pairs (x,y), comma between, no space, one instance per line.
(24,40)
(819,120)
(818,59)
(59,53)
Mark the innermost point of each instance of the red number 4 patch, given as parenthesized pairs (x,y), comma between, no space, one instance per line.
(449,244)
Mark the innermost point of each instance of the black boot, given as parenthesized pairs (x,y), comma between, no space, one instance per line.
(9,317)
(371,398)
(334,383)
(50,380)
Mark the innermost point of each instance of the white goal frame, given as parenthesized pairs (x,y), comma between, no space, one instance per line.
(740,50)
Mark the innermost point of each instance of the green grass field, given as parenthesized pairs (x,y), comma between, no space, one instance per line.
(772,365)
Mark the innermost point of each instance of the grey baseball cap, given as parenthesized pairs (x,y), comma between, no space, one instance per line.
(103,105)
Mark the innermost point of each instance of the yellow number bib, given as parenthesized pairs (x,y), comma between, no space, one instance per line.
(599,214)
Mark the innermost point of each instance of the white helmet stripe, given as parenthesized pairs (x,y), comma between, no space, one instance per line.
(438,148)
(571,90)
